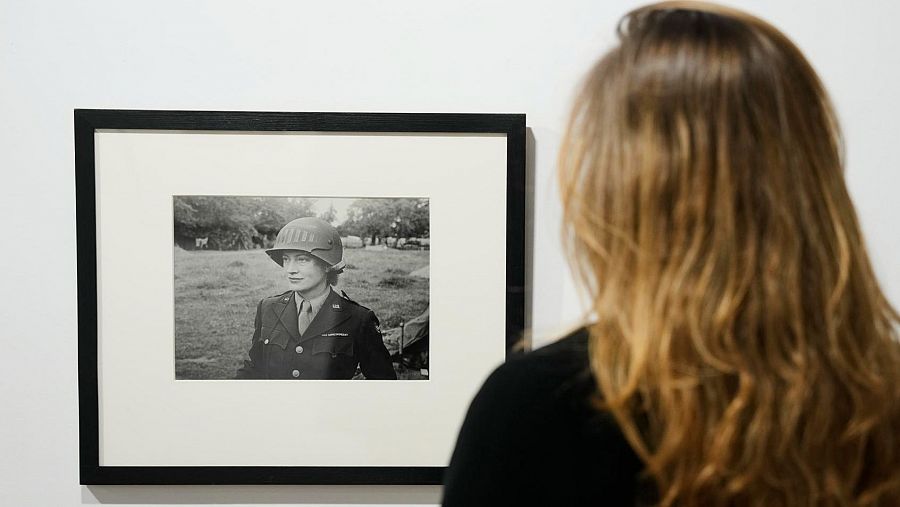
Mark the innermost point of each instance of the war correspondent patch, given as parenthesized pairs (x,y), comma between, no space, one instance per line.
(335,334)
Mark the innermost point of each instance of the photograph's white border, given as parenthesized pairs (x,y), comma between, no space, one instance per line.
(147,418)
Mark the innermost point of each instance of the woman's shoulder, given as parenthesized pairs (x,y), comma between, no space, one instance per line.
(549,369)
(283,298)
(347,303)
(530,384)
(563,354)
(532,390)
(537,409)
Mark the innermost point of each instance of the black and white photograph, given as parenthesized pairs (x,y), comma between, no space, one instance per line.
(301,288)
(292,264)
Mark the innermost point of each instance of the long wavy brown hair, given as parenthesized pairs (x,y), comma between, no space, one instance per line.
(739,335)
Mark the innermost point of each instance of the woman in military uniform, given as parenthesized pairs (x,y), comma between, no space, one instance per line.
(311,332)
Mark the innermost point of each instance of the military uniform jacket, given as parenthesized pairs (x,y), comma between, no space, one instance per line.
(342,335)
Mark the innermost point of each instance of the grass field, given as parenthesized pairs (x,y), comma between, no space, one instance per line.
(216,295)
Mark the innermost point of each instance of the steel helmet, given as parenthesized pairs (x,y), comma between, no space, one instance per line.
(312,235)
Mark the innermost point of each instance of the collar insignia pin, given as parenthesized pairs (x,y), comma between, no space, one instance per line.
(336,306)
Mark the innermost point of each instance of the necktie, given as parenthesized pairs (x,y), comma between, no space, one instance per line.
(305,316)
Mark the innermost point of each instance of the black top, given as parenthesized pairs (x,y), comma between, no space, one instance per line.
(531,438)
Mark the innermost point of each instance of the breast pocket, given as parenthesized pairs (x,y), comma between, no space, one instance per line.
(336,346)
(274,337)
(274,344)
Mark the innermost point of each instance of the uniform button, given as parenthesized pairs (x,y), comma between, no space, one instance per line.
(295,373)
(299,349)
(266,341)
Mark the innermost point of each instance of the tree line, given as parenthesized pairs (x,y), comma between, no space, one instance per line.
(241,222)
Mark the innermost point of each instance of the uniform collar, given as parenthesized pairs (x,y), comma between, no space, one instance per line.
(316,302)
(331,313)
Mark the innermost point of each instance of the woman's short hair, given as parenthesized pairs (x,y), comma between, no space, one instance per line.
(332,276)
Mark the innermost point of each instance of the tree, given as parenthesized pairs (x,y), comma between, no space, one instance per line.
(411,219)
(234,222)
(367,218)
(271,213)
(329,215)
(380,218)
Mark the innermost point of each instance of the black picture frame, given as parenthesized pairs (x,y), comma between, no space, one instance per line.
(86,124)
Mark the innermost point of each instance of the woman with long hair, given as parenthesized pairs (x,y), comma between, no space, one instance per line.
(740,351)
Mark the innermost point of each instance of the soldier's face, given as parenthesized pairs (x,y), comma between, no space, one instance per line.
(304,272)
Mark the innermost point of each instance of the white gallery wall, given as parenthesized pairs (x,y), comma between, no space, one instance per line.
(373,56)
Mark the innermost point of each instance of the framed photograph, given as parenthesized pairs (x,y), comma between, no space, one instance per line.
(291,298)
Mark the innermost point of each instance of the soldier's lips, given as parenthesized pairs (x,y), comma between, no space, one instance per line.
(295,279)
